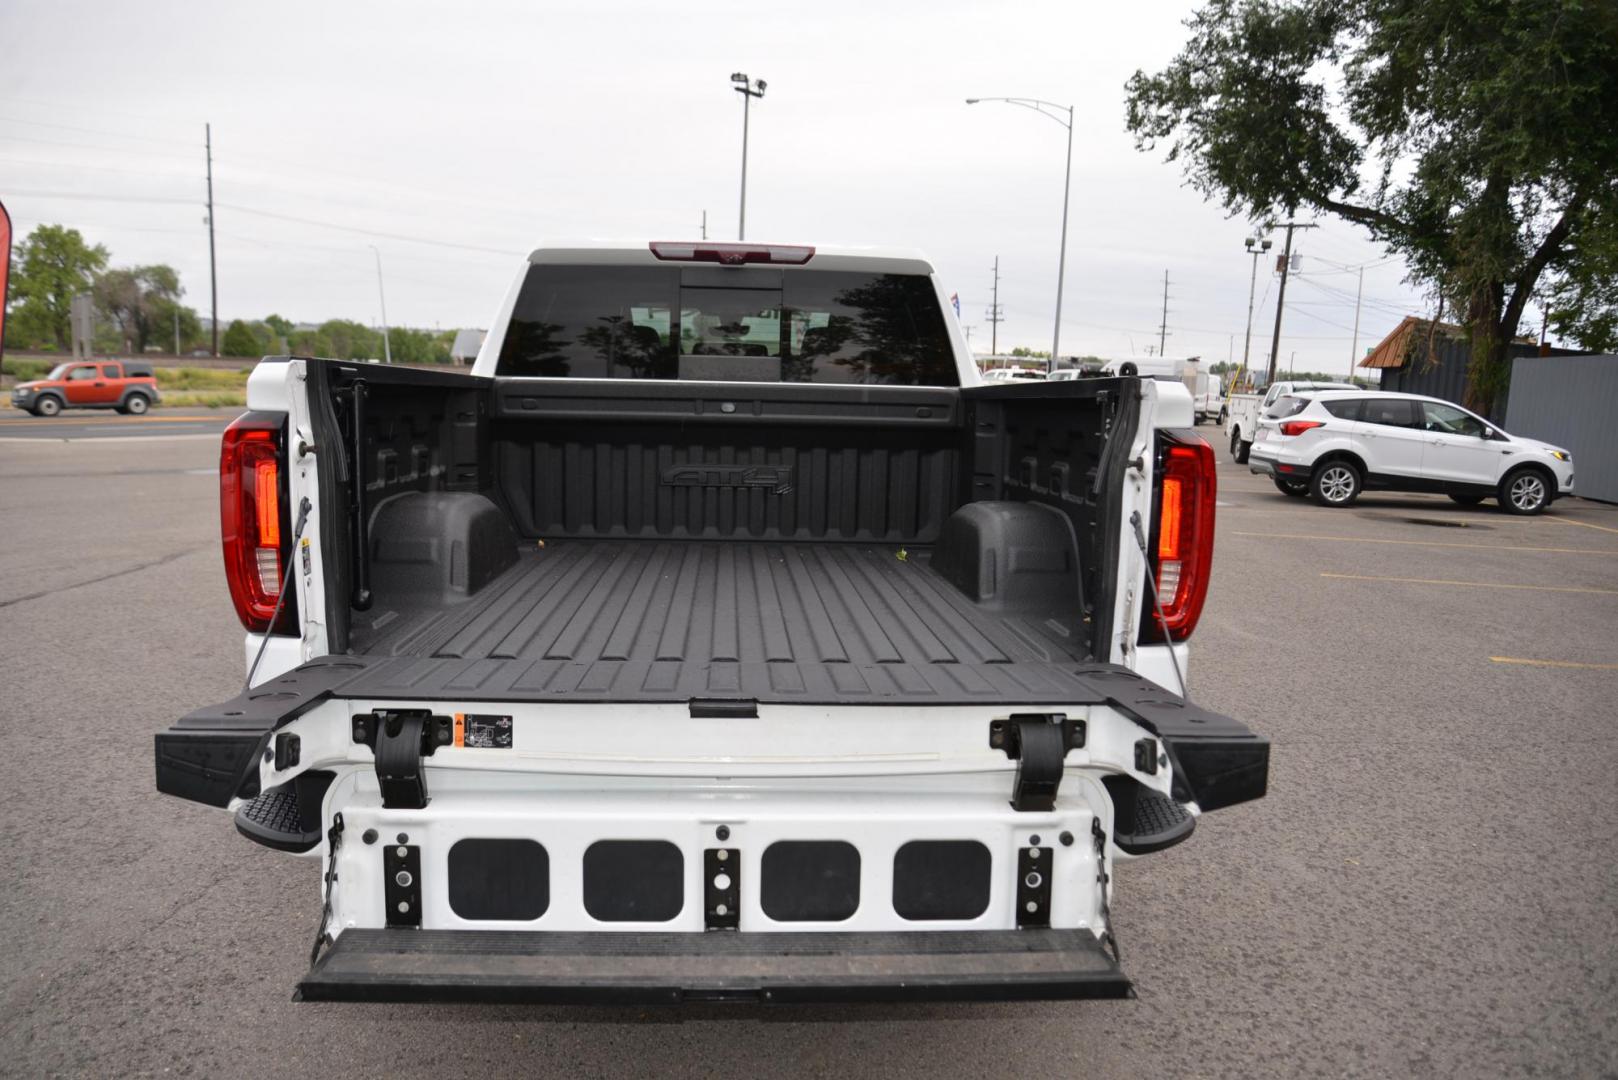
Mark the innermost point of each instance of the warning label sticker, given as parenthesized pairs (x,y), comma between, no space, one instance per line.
(483,731)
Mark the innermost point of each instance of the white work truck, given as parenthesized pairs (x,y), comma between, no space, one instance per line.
(720,637)
(1246,410)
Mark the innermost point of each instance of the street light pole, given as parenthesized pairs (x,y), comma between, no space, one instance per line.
(387,347)
(1255,247)
(745,86)
(1041,107)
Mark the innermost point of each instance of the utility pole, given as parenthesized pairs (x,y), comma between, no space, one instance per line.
(1281,298)
(1354,349)
(176,331)
(995,316)
(745,86)
(1163,327)
(213,266)
(705,224)
(387,346)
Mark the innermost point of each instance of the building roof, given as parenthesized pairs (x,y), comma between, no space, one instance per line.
(1397,349)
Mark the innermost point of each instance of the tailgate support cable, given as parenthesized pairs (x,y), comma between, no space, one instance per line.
(286,583)
(334,837)
(1104,879)
(1157,604)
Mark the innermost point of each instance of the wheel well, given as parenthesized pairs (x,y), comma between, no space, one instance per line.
(1342,455)
(1531,466)
(136,391)
(57,394)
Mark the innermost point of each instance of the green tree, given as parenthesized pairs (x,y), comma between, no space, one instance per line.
(283,327)
(345,340)
(1476,138)
(239,340)
(141,300)
(52,266)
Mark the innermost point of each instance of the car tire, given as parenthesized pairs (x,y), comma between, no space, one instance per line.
(47,406)
(1468,500)
(1223,416)
(135,404)
(1525,492)
(1336,484)
(1297,488)
(1238,448)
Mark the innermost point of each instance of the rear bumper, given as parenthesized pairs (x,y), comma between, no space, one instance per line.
(721,966)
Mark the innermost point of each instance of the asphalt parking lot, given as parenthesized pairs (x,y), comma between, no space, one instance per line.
(1429,889)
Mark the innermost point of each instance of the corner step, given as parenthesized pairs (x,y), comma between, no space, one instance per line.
(721,966)
(273,819)
(1146,820)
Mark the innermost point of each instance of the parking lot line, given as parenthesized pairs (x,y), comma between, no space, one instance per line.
(1472,584)
(1586,524)
(1552,663)
(1422,543)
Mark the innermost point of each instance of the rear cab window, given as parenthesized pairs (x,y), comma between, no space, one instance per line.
(728,325)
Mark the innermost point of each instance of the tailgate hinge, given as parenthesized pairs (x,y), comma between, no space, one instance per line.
(1038,743)
(401,738)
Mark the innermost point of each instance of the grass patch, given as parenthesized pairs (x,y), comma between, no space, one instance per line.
(191,378)
(209,399)
(28,370)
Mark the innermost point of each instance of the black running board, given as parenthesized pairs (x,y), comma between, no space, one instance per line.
(573,968)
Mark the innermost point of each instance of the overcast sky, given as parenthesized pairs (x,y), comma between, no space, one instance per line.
(456,137)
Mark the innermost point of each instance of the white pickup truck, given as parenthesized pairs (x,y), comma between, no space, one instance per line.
(719,637)
(1246,410)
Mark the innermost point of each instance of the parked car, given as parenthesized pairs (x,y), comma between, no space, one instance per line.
(620,671)
(1209,398)
(1243,411)
(1014,374)
(1333,446)
(129,387)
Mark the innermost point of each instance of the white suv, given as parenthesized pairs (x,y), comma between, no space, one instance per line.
(1333,446)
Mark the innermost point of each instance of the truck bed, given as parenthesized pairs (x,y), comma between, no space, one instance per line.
(650,620)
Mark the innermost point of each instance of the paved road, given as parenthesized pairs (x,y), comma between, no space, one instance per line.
(1430,888)
(105,424)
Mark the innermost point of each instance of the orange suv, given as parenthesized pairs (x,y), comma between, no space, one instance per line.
(93,384)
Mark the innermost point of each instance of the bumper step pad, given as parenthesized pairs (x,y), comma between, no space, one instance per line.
(722,966)
(273,819)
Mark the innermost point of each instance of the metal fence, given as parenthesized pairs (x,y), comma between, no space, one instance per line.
(1569,401)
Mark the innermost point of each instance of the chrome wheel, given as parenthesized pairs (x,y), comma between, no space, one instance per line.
(1527,493)
(1337,483)
(136,404)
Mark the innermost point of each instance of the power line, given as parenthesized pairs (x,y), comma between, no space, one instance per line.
(92,197)
(96,131)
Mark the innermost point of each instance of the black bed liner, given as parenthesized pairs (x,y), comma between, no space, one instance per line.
(644,620)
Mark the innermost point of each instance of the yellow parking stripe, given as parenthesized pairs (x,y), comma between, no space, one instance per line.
(1473,584)
(1422,543)
(1553,663)
(1586,524)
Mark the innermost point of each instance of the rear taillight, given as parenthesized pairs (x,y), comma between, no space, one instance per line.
(1184,529)
(1298,427)
(732,254)
(252,519)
